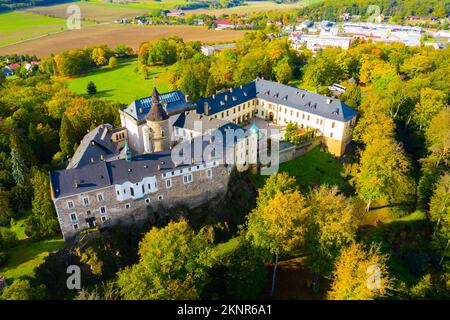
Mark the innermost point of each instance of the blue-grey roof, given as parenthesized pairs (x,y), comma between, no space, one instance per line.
(95,146)
(303,100)
(173,102)
(107,173)
(227,99)
(280,94)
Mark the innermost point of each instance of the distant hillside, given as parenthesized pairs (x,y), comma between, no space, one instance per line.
(331,9)
(7,5)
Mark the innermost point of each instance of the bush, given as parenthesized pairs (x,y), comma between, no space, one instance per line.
(113,62)
(3,258)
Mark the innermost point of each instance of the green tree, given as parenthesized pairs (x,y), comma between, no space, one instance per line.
(42,223)
(5,213)
(67,136)
(278,182)
(171,264)
(246,272)
(283,71)
(360,274)
(19,168)
(91,88)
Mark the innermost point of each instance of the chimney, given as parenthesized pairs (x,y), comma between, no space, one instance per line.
(226,97)
(206,108)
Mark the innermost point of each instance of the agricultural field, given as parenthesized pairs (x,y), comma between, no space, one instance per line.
(122,83)
(19,25)
(97,12)
(113,35)
(249,7)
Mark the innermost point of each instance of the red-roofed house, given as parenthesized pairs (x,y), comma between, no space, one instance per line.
(224,24)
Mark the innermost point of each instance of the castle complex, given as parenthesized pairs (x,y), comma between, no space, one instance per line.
(167,151)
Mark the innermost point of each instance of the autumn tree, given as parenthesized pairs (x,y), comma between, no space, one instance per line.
(440,214)
(278,182)
(21,290)
(171,264)
(360,274)
(99,56)
(332,225)
(438,137)
(431,102)
(383,173)
(278,225)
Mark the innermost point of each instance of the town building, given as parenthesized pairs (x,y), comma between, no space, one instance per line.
(316,43)
(208,50)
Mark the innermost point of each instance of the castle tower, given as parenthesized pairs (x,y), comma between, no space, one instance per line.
(157,136)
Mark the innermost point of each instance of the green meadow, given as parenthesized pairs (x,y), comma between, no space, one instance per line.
(122,83)
(19,25)
(27,254)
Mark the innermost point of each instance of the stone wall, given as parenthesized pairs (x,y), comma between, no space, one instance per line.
(201,190)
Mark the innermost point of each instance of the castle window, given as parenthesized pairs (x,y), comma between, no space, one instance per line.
(332,124)
(187,178)
(127,206)
(143,189)
(73,217)
(100,197)
(147,201)
(169,183)
(160,197)
(303,116)
(308,118)
(104,218)
(163,133)
(124,191)
(88,213)
(262,113)
(75,226)
(321,121)
(209,173)
(132,192)
(149,186)
(118,192)
(102,210)
(331,135)
(297,114)
(85,201)
(317,121)
(70,205)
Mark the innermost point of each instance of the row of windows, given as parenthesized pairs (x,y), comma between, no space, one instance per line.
(74,216)
(76,225)
(86,201)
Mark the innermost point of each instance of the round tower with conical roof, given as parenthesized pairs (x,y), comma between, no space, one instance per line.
(157,135)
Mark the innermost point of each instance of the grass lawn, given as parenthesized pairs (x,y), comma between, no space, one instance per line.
(312,169)
(122,83)
(19,25)
(27,254)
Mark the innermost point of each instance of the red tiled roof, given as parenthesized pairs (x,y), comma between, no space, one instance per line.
(226,22)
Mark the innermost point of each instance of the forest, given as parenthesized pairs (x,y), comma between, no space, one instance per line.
(398,161)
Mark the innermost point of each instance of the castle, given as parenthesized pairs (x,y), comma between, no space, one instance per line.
(168,150)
